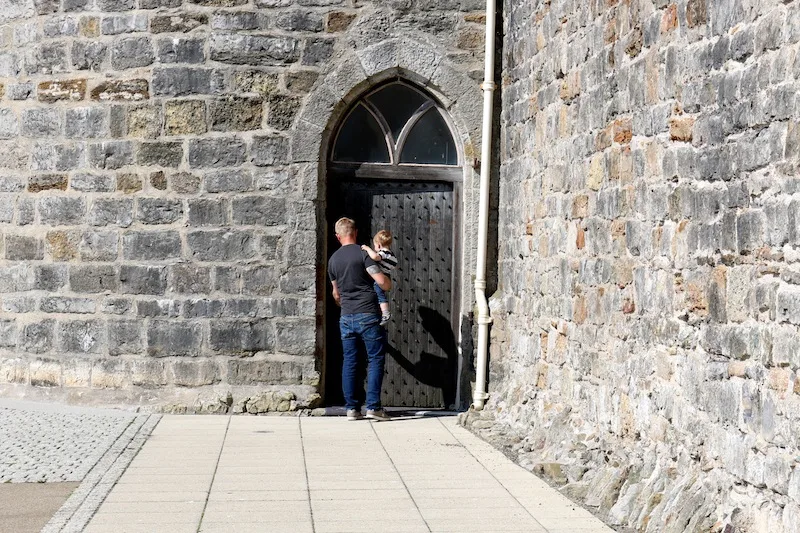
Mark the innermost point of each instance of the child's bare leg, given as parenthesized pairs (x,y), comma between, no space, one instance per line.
(385,308)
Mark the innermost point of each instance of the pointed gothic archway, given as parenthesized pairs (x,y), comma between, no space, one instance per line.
(394,164)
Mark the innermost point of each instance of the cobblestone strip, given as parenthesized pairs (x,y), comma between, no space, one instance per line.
(84,502)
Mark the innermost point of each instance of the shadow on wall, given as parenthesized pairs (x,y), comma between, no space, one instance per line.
(433,370)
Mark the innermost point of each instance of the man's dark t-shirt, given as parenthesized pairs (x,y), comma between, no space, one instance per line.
(348,268)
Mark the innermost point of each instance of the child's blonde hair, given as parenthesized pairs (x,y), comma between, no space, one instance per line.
(383,237)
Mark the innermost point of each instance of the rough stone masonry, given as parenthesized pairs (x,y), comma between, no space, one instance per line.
(160,191)
(645,350)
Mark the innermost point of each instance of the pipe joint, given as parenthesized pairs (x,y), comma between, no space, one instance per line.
(484,320)
(488,85)
(480,284)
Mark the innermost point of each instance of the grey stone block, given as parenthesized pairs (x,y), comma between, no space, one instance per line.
(24,247)
(99,246)
(50,278)
(184,183)
(136,279)
(229,181)
(111,212)
(299,280)
(317,51)
(46,58)
(261,50)
(208,212)
(93,278)
(235,20)
(86,122)
(82,336)
(9,125)
(227,279)
(296,337)
(20,304)
(252,372)
(116,306)
(195,373)
(260,280)
(149,374)
(89,55)
(203,308)
(92,183)
(217,152)
(116,5)
(282,111)
(271,150)
(65,304)
(123,24)
(241,337)
(17,278)
(151,245)
(37,337)
(182,81)
(7,208)
(189,279)
(180,50)
(111,155)
(45,7)
(132,52)
(162,308)
(221,245)
(50,157)
(168,337)
(8,333)
(299,21)
(61,210)
(158,153)
(158,210)
(261,210)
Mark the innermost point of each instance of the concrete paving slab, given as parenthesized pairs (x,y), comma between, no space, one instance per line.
(317,474)
(27,507)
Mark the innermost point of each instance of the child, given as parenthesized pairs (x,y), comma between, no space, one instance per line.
(382,255)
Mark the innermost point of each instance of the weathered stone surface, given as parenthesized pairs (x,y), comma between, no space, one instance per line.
(121,90)
(165,154)
(93,279)
(177,23)
(226,151)
(180,50)
(169,338)
(182,81)
(54,91)
(268,151)
(142,279)
(158,210)
(151,245)
(132,52)
(254,49)
(236,114)
(221,245)
(185,117)
(241,337)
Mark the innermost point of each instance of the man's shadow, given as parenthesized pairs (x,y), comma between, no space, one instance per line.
(431,369)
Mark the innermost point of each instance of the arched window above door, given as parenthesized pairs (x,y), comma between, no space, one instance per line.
(398,126)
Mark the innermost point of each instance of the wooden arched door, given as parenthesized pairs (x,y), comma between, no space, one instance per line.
(394,165)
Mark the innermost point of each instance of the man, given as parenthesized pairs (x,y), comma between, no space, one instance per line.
(353,275)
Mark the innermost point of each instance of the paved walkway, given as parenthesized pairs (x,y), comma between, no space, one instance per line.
(327,475)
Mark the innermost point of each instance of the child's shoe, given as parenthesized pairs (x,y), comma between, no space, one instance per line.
(385,319)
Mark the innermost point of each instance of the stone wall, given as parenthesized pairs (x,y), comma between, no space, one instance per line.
(645,351)
(160,191)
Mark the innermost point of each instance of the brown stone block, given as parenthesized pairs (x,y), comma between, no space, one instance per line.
(2,90)
(144,121)
(696,13)
(603,139)
(63,245)
(476,18)
(338,21)
(158,180)
(780,379)
(669,20)
(256,81)
(89,27)
(580,239)
(680,128)
(580,206)
(610,33)
(579,310)
(47,182)
(185,117)
(623,130)
(634,43)
(470,38)
(55,91)
(13,371)
(77,373)
(571,86)
(129,183)
(122,90)
(110,374)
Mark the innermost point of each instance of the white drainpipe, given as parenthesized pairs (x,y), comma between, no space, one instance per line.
(488,86)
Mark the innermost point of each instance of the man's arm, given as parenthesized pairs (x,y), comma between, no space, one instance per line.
(383,281)
(336,295)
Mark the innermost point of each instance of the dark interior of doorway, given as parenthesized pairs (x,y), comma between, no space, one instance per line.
(422,355)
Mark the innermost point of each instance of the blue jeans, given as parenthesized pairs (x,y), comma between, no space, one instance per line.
(382,299)
(362,331)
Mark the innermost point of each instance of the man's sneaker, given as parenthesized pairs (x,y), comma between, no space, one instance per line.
(385,319)
(378,414)
(354,414)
